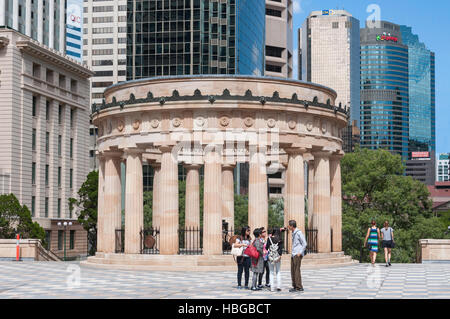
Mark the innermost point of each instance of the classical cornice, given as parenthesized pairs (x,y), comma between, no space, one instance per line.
(54,57)
(4,41)
(226,96)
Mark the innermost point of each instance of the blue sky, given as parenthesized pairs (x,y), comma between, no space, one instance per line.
(430,20)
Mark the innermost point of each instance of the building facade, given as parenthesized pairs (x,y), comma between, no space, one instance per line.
(279,45)
(443,168)
(384,89)
(104,51)
(41,20)
(421,166)
(195,37)
(44,115)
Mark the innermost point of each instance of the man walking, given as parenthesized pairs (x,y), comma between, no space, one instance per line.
(298,251)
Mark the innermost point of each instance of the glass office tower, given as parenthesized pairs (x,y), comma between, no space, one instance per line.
(422,127)
(184,37)
(384,89)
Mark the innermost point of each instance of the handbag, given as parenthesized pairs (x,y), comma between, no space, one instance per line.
(237,251)
(251,251)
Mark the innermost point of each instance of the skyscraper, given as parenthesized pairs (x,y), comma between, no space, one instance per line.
(329,44)
(384,89)
(279,47)
(43,21)
(195,37)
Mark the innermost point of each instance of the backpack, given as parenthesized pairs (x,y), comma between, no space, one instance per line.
(274,256)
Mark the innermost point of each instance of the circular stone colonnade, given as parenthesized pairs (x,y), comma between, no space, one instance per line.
(216,122)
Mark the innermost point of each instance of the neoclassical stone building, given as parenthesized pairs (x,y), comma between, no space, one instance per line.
(216,122)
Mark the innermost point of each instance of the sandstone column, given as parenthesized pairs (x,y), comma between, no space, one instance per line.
(295,190)
(310,194)
(192,216)
(156,205)
(134,205)
(257,192)
(322,201)
(228,195)
(112,217)
(168,202)
(100,205)
(212,208)
(336,202)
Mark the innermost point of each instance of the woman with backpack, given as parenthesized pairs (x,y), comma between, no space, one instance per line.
(257,263)
(275,248)
(243,261)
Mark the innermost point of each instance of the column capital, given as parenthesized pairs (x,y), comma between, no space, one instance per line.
(308,157)
(338,155)
(192,165)
(228,166)
(296,150)
(111,154)
(324,152)
(133,151)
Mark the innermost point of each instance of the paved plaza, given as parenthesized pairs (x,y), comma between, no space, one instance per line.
(69,280)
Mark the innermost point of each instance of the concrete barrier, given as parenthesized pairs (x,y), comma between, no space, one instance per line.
(435,250)
(30,249)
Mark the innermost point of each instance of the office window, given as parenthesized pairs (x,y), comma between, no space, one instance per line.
(72,114)
(60,114)
(33,206)
(59,176)
(335,25)
(33,173)
(59,145)
(46,175)
(36,70)
(48,238)
(60,239)
(62,81)
(34,106)
(33,140)
(47,142)
(70,178)
(72,239)
(59,208)
(71,148)
(47,110)
(46,207)
(73,85)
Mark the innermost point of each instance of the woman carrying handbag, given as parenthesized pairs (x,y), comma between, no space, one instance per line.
(255,251)
(243,261)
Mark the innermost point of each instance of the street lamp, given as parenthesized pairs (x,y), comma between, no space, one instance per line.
(65,224)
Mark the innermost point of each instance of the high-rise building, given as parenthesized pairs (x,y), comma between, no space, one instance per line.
(443,168)
(329,54)
(43,21)
(44,119)
(384,89)
(279,46)
(195,37)
(104,51)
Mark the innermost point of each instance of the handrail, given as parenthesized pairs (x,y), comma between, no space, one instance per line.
(44,252)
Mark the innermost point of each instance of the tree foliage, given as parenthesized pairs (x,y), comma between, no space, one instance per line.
(16,219)
(374,187)
(87,206)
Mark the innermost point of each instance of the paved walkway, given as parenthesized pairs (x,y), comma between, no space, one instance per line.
(68,280)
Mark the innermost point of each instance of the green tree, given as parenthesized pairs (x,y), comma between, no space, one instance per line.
(16,219)
(87,205)
(374,187)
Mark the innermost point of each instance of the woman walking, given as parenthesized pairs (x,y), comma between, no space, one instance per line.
(387,235)
(372,237)
(275,258)
(266,264)
(257,264)
(243,262)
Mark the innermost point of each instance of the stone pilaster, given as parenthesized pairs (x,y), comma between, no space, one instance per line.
(101,203)
(156,205)
(192,206)
(257,192)
(112,217)
(228,195)
(134,201)
(212,216)
(336,202)
(322,201)
(168,203)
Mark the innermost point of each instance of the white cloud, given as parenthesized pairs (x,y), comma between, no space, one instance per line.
(297,6)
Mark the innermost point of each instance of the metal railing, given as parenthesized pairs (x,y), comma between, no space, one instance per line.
(150,240)
(120,240)
(190,241)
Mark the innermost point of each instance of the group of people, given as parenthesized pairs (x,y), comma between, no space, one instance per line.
(373,237)
(269,248)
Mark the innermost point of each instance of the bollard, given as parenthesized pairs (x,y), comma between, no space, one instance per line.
(18,247)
